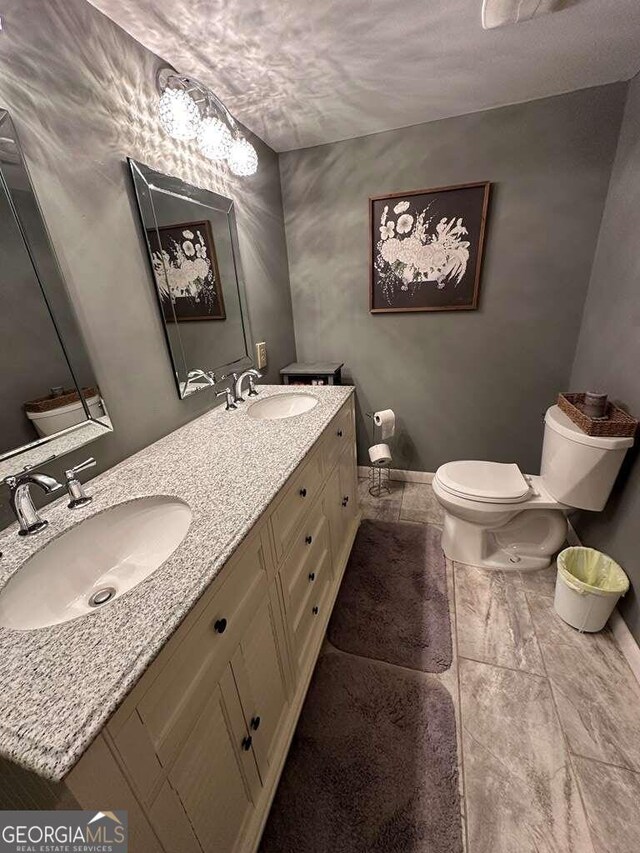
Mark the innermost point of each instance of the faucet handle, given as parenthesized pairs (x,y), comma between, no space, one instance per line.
(226,392)
(252,383)
(77,495)
(88,463)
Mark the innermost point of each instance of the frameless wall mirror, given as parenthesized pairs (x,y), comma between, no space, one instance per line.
(192,242)
(50,401)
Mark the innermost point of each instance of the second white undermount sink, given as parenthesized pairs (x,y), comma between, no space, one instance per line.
(282,406)
(94,562)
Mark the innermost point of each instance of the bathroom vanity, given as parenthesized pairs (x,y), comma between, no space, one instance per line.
(188,726)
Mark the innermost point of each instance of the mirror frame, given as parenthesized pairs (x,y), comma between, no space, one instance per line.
(90,429)
(145,180)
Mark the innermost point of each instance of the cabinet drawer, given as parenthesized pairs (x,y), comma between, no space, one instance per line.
(338,435)
(171,704)
(302,565)
(298,496)
(312,616)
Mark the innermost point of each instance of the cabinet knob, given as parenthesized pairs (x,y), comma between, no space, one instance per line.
(339,433)
(308,539)
(312,576)
(247,742)
(303,493)
(345,500)
(220,626)
(255,723)
(315,610)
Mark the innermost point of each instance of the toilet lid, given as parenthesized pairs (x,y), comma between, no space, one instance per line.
(492,482)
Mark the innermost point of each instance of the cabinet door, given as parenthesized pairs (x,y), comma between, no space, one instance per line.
(348,482)
(347,466)
(259,668)
(335,512)
(215,774)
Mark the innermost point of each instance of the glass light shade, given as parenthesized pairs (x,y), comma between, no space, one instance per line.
(243,159)
(214,138)
(179,114)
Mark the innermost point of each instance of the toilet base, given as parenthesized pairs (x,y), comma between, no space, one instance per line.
(526,542)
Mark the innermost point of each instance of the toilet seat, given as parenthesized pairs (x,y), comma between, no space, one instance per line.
(485,482)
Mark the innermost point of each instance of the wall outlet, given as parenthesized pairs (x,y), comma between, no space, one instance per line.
(261,355)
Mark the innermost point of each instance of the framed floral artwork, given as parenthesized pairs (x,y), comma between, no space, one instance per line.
(186,272)
(426,248)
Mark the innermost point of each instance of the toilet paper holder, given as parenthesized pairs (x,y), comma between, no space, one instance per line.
(379,475)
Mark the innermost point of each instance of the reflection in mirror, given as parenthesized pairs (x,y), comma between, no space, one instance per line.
(192,242)
(50,402)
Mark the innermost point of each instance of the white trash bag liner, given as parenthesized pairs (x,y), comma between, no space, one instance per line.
(588,587)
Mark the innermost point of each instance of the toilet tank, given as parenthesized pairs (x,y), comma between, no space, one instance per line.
(579,470)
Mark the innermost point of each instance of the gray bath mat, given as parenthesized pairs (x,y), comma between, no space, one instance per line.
(372,767)
(392,605)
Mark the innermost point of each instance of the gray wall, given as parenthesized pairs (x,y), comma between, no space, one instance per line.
(464,384)
(82,95)
(608,353)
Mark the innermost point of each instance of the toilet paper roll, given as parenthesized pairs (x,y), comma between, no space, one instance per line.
(380,454)
(386,420)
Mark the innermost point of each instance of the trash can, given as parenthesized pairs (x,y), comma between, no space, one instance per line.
(588,587)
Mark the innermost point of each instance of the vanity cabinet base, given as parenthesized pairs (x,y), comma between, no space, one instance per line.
(196,750)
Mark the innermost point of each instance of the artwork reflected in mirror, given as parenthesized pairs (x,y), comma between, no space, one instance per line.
(186,272)
(192,245)
(50,403)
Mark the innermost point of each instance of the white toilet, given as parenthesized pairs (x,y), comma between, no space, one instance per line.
(498,518)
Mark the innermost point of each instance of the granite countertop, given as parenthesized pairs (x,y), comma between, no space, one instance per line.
(59,685)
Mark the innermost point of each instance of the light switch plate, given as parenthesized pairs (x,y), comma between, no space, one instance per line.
(261,355)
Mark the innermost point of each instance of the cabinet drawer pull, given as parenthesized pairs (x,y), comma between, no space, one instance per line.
(308,539)
(247,742)
(315,610)
(255,723)
(220,626)
(312,576)
(345,500)
(339,433)
(303,493)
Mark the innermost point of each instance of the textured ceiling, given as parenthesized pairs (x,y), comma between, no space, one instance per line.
(304,72)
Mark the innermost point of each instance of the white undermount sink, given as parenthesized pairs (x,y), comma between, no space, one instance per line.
(94,562)
(282,406)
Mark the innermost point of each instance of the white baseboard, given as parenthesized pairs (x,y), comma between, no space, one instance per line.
(625,639)
(400,475)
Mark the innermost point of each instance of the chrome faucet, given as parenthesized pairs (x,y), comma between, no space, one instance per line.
(251,374)
(206,376)
(20,500)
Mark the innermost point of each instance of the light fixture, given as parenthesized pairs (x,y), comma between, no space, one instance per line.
(243,159)
(214,138)
(179,114)
(189,110)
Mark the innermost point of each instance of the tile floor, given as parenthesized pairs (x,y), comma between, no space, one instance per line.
(549,719)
